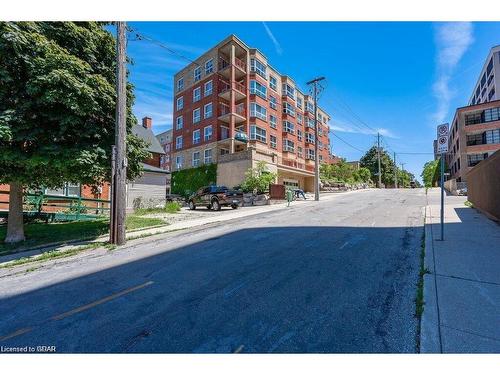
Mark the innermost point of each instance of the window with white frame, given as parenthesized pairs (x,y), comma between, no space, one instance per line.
(310,153)
(196,116)
(258,67)
(320,157)
(320,145)
(309,138)
(257,133)
(180,103)
(289,91)
(272,121)
(207,110)
(180,84)
(299,134)
(207,133)
(197,74)
(196,94)
(299,151)
(258,111)
(288,109)
(310,122)
(272,102)
(178,142)
(208,89)
(178,162)
(179,122)
(309,107)
(258,89)
(288,127)
(288,145)
(68,190)
(207,156)
(299,118)
(196,159)
(273,83)
(209,66)
(196,136)
(299,102)
(273,141)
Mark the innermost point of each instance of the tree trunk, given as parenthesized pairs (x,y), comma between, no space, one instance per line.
(15,228)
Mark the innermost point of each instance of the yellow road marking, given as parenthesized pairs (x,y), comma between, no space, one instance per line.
(17,333)
(99,302)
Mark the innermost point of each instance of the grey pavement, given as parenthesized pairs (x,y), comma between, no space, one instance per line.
(462,292)
(333,276)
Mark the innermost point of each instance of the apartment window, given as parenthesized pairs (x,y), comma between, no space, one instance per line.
(196,116)
(180,103)
(310,123)
(309,138)
(207,156)
(288,109)
(490,79)
(310,107)
(273,83)
(258,67)
(258,134)
(299,102)
(207,110)
(196,159)
(224,133)
(483,80)
(197,74)
(288,145)
(207,133)
(272,121)
(473,139)
(310,154)
(178,142)
(492,114)
(196,94)
(288,91)
(68,190)
(491,94)
(273,141)
(179,122)
(492,136)
(208,88)
(196,136)
(209,66)
(300,119)
(320,145)
(288,127)
(299,134)
(321,158)
(272,102)
(257,89)
(178,162)
(473,118)
(489,68)
(299,151)
(180,84)
(474,159)
(258,111)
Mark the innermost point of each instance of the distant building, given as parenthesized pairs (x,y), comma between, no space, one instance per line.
(488,82)
(165,140)
(435,146)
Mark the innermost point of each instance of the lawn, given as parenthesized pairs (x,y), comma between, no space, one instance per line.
(39,234)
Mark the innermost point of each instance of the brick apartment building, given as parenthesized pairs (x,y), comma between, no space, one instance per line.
(231,107)
(474,135)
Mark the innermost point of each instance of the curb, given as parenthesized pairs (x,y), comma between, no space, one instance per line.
(430,340)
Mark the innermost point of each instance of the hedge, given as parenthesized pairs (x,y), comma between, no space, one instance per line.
(187,181)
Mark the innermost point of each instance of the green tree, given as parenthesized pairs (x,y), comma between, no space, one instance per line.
(369,161)
(362,175)
(258,178)
(57,109)
(429,172)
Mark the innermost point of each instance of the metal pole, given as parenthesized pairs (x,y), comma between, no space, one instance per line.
(120,134)
(442,197)
(395,173)
(378,158)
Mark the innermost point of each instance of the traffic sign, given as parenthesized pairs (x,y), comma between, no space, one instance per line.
(442,138)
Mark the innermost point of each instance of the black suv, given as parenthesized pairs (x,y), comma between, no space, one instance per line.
(215,197)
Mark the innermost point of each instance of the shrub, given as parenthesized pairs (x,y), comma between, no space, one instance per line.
(258,178)
(187,181)
(172,207)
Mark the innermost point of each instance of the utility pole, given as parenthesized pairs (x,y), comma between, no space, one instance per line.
(395,172)
(378,157)
(403,177)
(118,203)
(314,82)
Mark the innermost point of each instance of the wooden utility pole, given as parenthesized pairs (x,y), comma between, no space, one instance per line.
(403,176)
(378,158)
(118,203)
(314,82)
(395,173)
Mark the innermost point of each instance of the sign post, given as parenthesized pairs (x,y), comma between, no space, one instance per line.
(442,149)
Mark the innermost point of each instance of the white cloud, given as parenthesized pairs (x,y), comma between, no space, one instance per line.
(348,128)
(452,41)
(271,36)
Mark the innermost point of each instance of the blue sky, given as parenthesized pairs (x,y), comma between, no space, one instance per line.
(399,78)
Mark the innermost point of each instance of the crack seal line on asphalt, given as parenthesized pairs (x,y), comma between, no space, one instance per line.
(79,309)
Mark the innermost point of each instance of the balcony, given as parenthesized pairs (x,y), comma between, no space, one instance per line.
(238,88)
(239,113)
(225,71)
(292,163)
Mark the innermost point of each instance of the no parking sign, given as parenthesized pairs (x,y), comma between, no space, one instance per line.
(442,138)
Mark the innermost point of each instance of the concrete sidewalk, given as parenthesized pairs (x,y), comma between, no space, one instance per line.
(462,290)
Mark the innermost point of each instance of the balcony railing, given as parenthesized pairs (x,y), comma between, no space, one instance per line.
(223,64)
(224,86)
(292,163)
(225,109)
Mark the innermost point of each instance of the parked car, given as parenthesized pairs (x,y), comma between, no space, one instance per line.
(214,197)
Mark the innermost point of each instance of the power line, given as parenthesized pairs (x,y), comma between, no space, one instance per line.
(347,143)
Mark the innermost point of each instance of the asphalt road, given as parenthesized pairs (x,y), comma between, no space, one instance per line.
(334,276)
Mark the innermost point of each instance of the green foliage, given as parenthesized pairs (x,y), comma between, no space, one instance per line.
(57,104)
(258,178)
(187,181)
(369,161)
(429,172)
(343,172)
(172,207)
